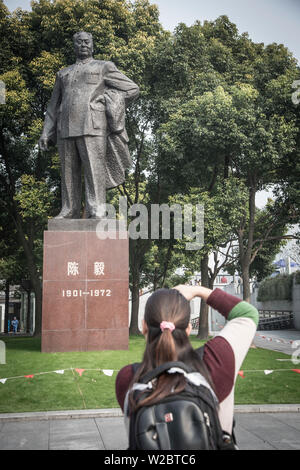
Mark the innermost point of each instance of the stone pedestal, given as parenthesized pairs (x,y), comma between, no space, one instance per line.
(85,288)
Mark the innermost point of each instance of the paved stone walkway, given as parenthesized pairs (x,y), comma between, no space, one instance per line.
(268,431)
(258,427)
(261,430)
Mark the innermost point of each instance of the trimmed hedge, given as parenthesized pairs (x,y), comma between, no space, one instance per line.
(276,288)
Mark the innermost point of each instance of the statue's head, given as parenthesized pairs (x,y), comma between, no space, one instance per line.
(83,45)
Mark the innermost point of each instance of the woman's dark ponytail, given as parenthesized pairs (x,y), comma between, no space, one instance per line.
(165,348)
(167,316)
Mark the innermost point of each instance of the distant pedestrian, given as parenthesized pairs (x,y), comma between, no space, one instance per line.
(15,324)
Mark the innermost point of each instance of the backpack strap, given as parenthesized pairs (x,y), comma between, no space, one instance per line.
(135,367)
(163,368)
(163,435)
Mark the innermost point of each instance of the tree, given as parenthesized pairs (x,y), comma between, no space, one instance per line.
(238,115)
(292,251)
(267,138)
(11,265)
(36,45)
(267,249)
(264,248)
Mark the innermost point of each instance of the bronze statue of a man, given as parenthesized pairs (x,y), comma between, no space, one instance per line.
(86,118)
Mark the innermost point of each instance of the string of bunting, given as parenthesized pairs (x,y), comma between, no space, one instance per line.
(241,373)
(110,372)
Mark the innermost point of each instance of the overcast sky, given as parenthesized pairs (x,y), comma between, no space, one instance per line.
(265,20)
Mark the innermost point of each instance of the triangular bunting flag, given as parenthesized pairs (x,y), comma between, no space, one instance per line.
(108,372)
(267,372)
(296,370)
(241,373)
(29,376)
(80,371)
(3,381)
(59,371)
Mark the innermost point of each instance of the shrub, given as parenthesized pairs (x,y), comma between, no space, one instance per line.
(276,288)
(297,277)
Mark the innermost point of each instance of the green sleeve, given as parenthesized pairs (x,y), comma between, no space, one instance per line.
(246,310)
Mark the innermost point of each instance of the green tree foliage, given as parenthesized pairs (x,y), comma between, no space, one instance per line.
(232,115)
(214,108)
(36,45)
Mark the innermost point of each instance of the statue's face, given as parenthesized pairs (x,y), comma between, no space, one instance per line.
(83,46)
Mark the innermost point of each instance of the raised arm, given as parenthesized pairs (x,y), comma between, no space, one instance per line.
(189,292)
(224,354)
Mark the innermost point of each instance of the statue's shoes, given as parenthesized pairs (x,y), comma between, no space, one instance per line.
(66,215)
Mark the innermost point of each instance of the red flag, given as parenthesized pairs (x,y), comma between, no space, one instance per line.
(80,371)
(241,373)
(29,376)
(296,370)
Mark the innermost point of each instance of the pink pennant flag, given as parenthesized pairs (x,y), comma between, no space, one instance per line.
(80,371)
(241,373)
(296,370)
(29,376)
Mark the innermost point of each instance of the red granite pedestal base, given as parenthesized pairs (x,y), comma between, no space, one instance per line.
(85,291)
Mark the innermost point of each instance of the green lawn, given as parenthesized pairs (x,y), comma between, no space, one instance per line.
(93,389)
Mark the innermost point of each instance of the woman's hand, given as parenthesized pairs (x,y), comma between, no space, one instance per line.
(189,292)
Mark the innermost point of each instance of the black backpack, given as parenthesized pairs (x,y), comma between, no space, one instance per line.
(185,421)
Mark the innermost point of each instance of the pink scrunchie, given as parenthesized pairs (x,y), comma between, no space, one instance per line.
(167,325)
